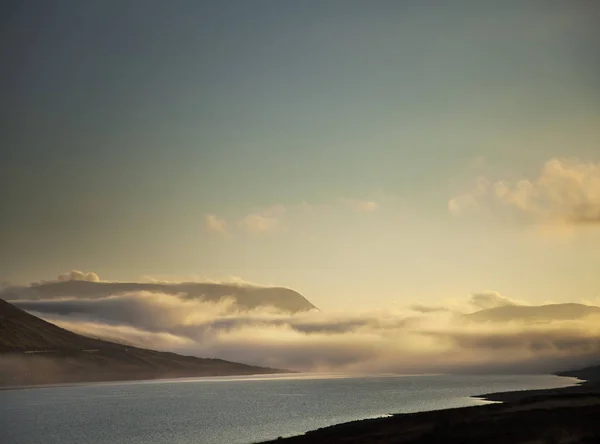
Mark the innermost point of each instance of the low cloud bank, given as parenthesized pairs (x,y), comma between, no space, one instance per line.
(476,302)
(422,339)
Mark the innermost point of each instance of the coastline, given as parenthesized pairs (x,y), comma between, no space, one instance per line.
(553,416)
(517,416)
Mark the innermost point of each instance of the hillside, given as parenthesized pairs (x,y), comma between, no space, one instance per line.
(590,374)
(33,351)
(246,297)
(542,313)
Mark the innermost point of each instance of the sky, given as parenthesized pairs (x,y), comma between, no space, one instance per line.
(362,153)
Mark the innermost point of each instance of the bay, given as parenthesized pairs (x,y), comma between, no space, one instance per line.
(237,410)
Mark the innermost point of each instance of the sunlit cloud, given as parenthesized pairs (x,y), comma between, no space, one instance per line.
(470,200)
(76,275)
(475,302)
(361,205)
(565,194)
(282,218)
(492,299)
(215,224)
(73,275)
(178,279)
(268,220)
(421,339)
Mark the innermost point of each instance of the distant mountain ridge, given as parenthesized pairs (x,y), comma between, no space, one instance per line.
(33,351)
(245,297)
(540,313)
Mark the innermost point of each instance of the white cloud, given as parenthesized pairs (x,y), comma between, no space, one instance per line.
(470,200)
(265,221)
(567,192)
(258,223)
(475,302)
(277,218)
(229,280)
(216,224)
(76,275)
(361,205)
(492,299)
(368,341)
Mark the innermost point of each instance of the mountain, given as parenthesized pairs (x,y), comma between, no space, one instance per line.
(541,313)
(246,297)
(33,351)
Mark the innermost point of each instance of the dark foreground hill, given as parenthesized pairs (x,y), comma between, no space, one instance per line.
(541,313)
(245,297)
(33,351)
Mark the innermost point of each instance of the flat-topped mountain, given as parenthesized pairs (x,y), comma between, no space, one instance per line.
(33,351)
(541,313)
(245,297)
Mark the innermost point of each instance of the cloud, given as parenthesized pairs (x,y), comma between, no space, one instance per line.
(73,275)
(362,206)
(265,221)
(491,299)
(420,308)
(566,192)
(122,334)
(76,275)
(475,302)
(434,340)
(470,200)
(229,280)
(215,224)
(278,218)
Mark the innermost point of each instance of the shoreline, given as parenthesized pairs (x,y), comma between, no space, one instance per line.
(572,419)
(517,416)
(556,415)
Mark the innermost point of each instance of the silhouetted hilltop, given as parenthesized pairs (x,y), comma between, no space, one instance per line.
(542,313)
(33,351)
(247,297)
(21,331)
(590,374)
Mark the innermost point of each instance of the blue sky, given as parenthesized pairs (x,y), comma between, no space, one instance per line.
(326,138)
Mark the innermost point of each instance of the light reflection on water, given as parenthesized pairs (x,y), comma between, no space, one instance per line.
(233,409)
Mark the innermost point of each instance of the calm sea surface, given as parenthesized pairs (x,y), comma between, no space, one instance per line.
(231,410)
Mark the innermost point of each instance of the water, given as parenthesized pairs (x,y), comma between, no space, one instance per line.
(231,410)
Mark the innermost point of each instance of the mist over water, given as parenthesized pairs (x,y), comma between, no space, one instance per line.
(417,339)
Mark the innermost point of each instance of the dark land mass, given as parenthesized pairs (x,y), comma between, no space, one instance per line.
(33,351)
(590,384)
(541,313)
(569,415)
(245,297)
